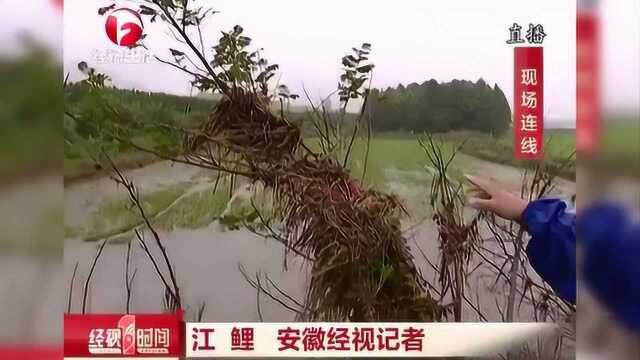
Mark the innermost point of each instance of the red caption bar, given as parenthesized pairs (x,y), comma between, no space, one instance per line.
(101,335)
(528,95)
(588,84)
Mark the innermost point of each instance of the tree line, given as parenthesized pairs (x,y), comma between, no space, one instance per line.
(441,107)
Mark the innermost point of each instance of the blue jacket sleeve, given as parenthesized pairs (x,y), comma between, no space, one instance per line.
(611,265)
(552,248)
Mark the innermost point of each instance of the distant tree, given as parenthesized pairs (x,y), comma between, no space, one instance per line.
(441,107)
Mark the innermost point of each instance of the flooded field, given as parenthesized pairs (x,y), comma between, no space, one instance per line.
(32,286)
(207,257)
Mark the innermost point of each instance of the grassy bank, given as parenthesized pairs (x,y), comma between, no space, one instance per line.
(559,144)
(92,118)
(183,205)
(401,151)
(396,163)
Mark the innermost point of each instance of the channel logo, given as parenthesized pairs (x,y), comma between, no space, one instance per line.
(127,335)
(124,27)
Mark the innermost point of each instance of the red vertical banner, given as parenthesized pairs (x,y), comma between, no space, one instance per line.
(587,84)
(528,95)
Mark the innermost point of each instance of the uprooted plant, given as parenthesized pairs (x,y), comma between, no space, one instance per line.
(493,249)
(457,238)
(361,267)
(349,234)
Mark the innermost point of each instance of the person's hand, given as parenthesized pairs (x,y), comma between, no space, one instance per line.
(491,196)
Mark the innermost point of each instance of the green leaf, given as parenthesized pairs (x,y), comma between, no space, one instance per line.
(349,61)
(244,41)
(145,10)
(365,69)
(175,52)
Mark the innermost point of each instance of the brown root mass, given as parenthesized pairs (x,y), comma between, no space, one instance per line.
(362,267)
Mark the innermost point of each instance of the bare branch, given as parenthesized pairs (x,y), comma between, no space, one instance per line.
(73,279)
(88,280)
(135,200)
(255,284)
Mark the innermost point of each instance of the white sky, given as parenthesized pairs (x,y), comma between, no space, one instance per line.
(413,41)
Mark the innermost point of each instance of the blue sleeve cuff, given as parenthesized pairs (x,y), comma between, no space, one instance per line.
(611,266)
(552,248)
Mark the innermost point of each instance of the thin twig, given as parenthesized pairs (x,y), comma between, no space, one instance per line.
(255,285)
(128,280)
(144,247)
(222,86)
(513,278)
(88,280)
(73,279)
(258,290)
(133,195)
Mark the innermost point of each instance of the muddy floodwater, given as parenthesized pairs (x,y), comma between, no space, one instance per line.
(207,259)
(206,262)
(32,297)
(31,271)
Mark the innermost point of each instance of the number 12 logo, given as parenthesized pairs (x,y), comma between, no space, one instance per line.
(124,27)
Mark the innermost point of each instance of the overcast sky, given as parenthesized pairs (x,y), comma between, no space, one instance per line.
(413,41)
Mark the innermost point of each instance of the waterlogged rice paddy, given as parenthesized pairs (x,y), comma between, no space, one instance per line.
(182,197)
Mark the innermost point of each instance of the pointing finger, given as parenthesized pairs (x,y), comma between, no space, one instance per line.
(480,204)
(481,183)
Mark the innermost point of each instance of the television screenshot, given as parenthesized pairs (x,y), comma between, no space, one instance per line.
(326,179)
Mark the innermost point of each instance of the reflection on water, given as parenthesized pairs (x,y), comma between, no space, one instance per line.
(206,262)
(32,296)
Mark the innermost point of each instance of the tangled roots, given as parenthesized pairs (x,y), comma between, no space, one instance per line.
(246,125)
(362,267)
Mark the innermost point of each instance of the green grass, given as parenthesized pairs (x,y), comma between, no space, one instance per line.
(90,123)
(621,138)
(386,154)
(401,152)
(396,163)
(194,210)
(394,152)
(30,140)
(83,167)
(43,239)
(559,144)
(116,216)
(619,152)
(183,205)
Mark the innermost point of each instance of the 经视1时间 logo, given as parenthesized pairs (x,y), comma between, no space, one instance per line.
(123,26)
(122,335)
(125,339)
